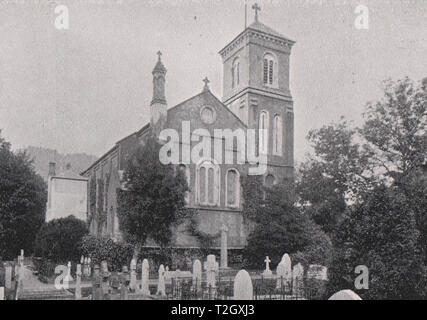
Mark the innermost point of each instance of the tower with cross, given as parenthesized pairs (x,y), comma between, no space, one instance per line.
(158,106)
(256,88)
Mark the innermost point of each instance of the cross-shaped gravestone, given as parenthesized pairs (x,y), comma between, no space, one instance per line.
(211,268)
(267,272)
(257,8)
(206,81)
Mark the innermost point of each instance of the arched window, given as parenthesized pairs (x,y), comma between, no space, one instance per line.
(186,171)
(270,70)
(263,132)
(232,190)
(235,73)
(277,135)
(269,180)
(208,182)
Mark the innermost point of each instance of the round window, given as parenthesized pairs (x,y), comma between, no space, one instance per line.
(208,115)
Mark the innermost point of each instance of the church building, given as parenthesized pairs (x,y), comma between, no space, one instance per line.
(256,96)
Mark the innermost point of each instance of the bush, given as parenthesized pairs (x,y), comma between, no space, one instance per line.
(59,240)
(117,254)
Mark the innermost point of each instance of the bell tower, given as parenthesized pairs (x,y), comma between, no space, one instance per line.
(256,88)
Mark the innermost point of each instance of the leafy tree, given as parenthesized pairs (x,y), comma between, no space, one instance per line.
(59,240)
(395,128)
(280,227)
(154,197)
(337,171)
(380,233)
(22,202)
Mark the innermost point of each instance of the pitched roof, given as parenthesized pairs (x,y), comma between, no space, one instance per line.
(258,26)
(147,126)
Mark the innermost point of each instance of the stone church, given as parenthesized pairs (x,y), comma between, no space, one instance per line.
(255,95)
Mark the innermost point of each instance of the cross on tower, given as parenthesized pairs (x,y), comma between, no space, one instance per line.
(257,8)
(159,53)
(206,81)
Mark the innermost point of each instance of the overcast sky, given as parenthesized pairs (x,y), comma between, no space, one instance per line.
(83,89)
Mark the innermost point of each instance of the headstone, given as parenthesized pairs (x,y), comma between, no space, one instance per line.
(211,268)
(284,273)
(96,284)
(224,246)
(105,274)
(124,283)
(68,278)
(267,272)
(316,271)
(298,280)
(197,274)
(345,295)
(2,297)
(161,287)
(8,277)
(89,266)
(78,292)
(82,259)
(168,276)
(132,284)
(145,271)
(243,289)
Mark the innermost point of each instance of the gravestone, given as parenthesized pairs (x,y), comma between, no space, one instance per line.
(78,292)
(145,271)
(267,272)
(68,278)
(316,271)
(2,296)
(124,283)
(224,246)
(211,268)
(161,287)
(105,274)
(8,277)
(284,273)
(243,289)
(89,268)
(132,284)
(197,274)
(96,284)
(345,295)
(298,280)
(168,276)
(85,269)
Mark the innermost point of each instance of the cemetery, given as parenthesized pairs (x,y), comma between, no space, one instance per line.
(142,281)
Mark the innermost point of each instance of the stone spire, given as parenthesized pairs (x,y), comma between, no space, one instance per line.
(159,73)
(158,106)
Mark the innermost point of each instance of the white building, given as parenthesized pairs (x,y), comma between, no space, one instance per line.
(67,195)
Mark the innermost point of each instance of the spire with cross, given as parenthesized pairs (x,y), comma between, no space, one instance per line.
(159,53)
(257,8)
(206,81)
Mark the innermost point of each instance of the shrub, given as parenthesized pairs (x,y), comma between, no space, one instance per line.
(117,254)
(59,240)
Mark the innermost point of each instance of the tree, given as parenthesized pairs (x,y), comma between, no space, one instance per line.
(395,128)
(380,233)
(337,171)
(280,227)
(395,131)
(154,197)
(22,202)
(59,240)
